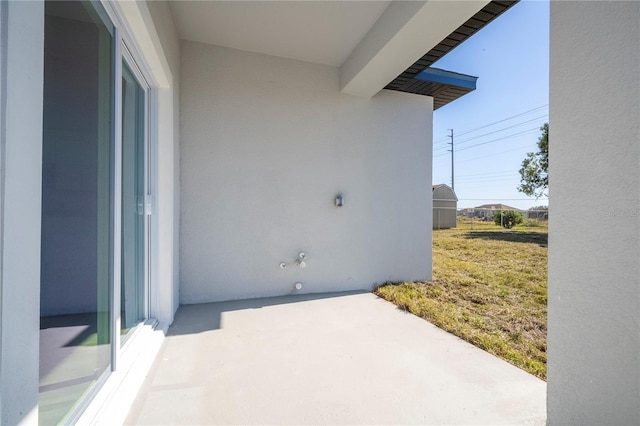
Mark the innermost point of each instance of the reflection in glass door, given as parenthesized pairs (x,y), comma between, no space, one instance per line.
(94,291)
(134,219)
(77,209)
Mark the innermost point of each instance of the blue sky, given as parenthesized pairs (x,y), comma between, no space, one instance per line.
(497,124)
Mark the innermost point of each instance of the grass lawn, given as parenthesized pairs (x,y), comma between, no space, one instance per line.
(489,288)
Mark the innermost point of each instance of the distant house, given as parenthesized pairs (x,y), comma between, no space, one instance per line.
(537,213)
(467,212)
(445,206)
(486,211)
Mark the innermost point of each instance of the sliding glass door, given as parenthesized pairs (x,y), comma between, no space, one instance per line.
(94,256)
(77,205)
(134,189)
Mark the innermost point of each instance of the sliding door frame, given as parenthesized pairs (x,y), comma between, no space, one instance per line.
(132,64)
(125,49)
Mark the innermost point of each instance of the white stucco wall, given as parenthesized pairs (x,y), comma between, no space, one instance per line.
(594,235)
(166,175)
(21,71)
(266,144)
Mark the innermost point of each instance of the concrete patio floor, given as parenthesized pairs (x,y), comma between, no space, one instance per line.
(347,358)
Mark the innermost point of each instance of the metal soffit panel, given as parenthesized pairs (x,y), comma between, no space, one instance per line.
(445,91)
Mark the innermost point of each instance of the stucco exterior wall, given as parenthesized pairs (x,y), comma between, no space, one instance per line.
(166,174)
(594,268)
(266,144)
(21,86)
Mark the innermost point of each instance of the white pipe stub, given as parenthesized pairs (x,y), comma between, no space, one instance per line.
(298,286)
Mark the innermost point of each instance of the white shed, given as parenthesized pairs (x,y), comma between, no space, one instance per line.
(445,206)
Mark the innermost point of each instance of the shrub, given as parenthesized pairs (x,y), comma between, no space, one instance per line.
(531,223)
(507,218)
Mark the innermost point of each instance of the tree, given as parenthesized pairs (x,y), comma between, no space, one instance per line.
(534,173)
(508,218)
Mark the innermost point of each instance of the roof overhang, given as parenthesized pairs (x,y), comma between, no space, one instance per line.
(375,44)
(443,86)
(408,82)
(400,37)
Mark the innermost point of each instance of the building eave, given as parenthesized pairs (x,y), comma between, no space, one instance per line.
(443,94)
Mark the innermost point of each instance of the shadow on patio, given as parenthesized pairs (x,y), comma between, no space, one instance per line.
(348,358)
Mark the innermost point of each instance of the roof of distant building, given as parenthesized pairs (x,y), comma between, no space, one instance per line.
(496,207)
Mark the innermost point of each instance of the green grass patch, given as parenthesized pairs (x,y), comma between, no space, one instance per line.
(489,288)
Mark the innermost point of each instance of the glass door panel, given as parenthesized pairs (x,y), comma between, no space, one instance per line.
(77,205)
(133,294)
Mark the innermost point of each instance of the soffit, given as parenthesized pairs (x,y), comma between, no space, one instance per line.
(324,32)
(442,93)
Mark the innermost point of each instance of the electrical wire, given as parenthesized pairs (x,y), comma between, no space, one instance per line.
(438,151)
(460,142)
(446,138)
(501,121)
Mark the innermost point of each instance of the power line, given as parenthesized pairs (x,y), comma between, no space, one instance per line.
(503,120)
(503,172)
(463,141)
(481,176)
(493,155)
(509,175)
(490,179)
(502,130)
(501,199)
(444,139)
(498,139)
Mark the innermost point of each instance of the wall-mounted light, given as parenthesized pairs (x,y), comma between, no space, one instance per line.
(339,200)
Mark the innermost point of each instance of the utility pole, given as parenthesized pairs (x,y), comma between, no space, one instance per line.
(451,150)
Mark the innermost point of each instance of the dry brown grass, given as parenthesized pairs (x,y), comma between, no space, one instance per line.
(489,288)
